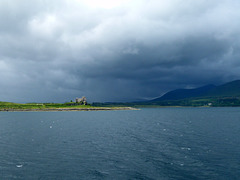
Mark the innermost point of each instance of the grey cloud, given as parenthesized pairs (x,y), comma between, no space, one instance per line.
(58,50)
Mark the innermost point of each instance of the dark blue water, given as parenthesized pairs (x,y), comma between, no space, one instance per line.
(166,143)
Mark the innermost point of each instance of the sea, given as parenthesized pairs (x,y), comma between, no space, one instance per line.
(145,144)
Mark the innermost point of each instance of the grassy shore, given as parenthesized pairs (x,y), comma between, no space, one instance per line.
(7,106)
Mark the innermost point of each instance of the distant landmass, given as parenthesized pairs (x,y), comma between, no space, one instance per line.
(179,94)
(230,89)
(227,94)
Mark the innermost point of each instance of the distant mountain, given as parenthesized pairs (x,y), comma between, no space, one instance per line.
(230,89)
(185,93)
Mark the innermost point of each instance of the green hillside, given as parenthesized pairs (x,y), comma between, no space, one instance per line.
(224,95)
(231,89)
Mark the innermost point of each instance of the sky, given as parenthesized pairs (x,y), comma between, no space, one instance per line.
(121,50)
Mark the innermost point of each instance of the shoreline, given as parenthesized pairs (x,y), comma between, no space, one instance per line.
(69,109)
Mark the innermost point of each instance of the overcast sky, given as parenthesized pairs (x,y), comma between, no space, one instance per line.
(115,50)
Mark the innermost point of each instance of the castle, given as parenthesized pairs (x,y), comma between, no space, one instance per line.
(82,100)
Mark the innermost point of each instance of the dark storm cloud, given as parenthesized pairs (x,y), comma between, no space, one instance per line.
(58,50)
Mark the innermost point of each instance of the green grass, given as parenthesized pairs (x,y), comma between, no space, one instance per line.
(16,106)
(8,106)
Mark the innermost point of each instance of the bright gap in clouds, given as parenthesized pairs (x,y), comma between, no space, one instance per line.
(107,4)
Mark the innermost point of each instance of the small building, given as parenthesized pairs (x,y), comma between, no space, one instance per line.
(209,104)
(82,100)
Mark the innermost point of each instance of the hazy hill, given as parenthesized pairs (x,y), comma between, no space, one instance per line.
(230,89)
(185,93)
(226,95)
